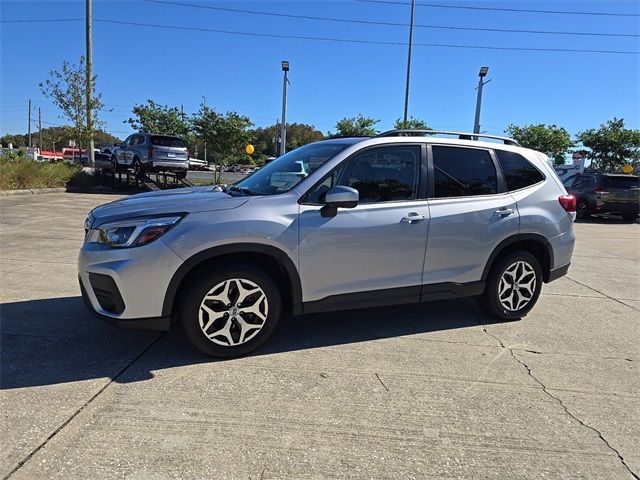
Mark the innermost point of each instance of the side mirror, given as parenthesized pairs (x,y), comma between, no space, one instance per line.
(339,197)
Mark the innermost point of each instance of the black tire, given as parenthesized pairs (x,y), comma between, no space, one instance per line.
(582,210)
(180,174)
(115,166)
(202,285)
(138,168)
(490,300)
(629,217)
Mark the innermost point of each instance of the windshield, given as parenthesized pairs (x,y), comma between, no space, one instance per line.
(284,173)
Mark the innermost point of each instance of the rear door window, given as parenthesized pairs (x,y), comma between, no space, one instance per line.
(518,171)
(461,172)
(161,141)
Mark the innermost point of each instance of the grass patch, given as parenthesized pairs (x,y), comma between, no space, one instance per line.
(22,173)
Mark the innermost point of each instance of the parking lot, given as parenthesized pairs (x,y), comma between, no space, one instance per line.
(419,391)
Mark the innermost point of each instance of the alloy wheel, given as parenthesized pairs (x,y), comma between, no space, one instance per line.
(233,312)
(517,286)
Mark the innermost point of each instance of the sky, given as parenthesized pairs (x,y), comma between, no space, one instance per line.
(330,80)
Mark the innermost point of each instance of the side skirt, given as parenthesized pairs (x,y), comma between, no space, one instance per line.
(394,296)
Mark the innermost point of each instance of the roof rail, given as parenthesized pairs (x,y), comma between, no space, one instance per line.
(460,135)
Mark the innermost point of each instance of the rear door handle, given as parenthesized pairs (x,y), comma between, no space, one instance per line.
(413,217)
(503,212)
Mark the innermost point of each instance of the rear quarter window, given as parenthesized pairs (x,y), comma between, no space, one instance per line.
(168,142)
(518,171)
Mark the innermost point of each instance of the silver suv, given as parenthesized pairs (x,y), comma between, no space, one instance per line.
(398,218)
(146,152)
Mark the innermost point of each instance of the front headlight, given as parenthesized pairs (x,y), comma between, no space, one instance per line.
(131,233)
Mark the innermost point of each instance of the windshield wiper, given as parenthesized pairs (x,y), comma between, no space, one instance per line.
(244,190)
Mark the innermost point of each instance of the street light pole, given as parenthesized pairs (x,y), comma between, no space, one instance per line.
(406,91)
(89,87)
(481,83)
(283,125)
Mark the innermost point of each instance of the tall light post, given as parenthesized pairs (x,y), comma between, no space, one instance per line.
(481,83)
(283,125)
(406,91)
(89,87)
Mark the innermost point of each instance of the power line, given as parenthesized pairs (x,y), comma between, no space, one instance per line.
(367,42)
(391,24)
(497,9)
(48,20)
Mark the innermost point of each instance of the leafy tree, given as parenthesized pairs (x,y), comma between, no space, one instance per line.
(226,135)
(612,146)
(68,90)
(298,134)
(359,126)
(59,136)
(550,139)
(161,119)
(414,123)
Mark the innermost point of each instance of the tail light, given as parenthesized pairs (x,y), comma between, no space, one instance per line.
(188,154)
(568,202)
(150,153)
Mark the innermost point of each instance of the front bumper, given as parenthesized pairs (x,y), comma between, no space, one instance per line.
(158,323)
(127,286)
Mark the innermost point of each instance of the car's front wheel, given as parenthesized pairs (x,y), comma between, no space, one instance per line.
(513,286)
(138,168)
(231,310)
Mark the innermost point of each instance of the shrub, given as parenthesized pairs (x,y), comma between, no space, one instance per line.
(21,173)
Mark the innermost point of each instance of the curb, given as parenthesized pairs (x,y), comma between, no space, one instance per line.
(35,191)
(39,191)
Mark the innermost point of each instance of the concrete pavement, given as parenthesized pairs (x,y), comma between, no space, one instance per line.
(418,391)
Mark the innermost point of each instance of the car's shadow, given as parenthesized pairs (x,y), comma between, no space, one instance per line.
(53,341)
(605,220)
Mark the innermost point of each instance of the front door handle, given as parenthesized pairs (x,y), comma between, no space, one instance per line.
(413,217)
(503,212)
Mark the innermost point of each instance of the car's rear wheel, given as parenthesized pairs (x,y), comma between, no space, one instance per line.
(629,217)
(513,286)
(231,310)
(114,163)
(180,174)
(138,168)
(582,210)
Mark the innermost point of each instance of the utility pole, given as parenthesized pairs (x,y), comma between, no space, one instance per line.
(406,91)
(182,112)
(40,129)
(204,107)
(283,125)
(89,87)
(29,123)
(481,83)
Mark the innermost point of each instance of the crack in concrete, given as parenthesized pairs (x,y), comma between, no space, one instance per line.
(557,399)
(602,293)
(82,407)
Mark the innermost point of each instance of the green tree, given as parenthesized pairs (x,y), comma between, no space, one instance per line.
(58,137)
(226,135)
(550,139)
(67,89)
(161,119)
(612,146)
(266,139)
(412,123)
(359,126)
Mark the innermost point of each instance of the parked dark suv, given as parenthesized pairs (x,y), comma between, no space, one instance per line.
(606,193)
